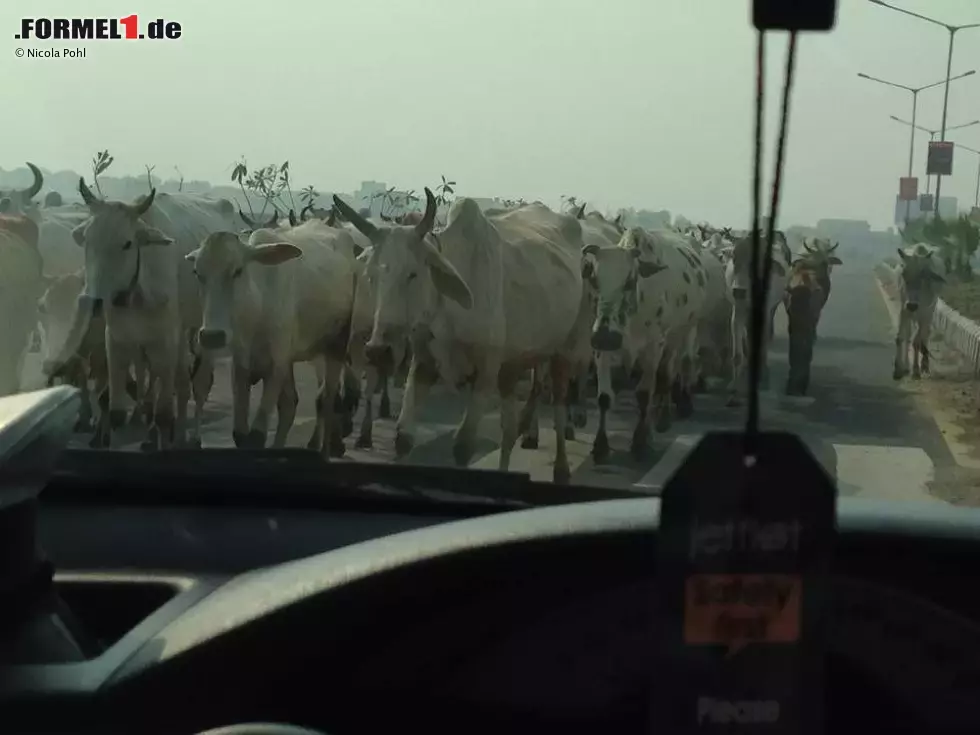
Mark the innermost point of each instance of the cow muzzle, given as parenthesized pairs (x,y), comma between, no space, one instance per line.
(740,294)
(911,307)
(606,340)
(212,339)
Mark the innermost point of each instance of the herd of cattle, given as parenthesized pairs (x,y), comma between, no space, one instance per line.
(140,299)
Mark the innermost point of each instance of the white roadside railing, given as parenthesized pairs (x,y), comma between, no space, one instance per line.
(957,331)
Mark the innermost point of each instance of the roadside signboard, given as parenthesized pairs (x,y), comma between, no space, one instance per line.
(925,203)
(940,160)
(908,188)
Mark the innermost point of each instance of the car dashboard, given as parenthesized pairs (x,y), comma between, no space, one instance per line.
(516,621)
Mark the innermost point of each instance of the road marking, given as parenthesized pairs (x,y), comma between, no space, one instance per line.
(889,472)
(540,463)
(656,478)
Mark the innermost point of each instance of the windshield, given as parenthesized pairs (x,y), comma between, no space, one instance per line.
(496,236)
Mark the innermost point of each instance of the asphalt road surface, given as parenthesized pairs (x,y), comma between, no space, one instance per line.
(867,432)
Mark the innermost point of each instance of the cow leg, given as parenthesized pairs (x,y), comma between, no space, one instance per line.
(165,357)
(902,346)
(202,380)
(241,390)
(507,379)
(641,434)
(366,438)
(600,447)
(285,410)
(464,441)
(422,375)
(576,397)
(140,410)
(384,406)
(272,386)
(316,438)
(118,356)
(663,384)
(686,374)
(182,394)
(560,370)
(737,334)
(527,426)
(327,415)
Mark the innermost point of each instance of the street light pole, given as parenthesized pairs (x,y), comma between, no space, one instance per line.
(949,65)
(915,100)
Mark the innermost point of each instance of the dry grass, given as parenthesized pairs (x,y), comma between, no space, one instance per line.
(964,296)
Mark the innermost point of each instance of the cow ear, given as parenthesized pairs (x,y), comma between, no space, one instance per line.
(152,236)
(936,277)
(274,254)
(901,253)
(78,234)
(646,269)
(446,278)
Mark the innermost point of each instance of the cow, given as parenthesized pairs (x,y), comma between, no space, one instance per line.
(271,300)
(81,357)
(921,275)
(490,299)
(21,201)
(651,288)
(597,231)
(135,273)
(738,278)
(21,284)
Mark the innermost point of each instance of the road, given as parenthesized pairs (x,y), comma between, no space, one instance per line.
(871,435)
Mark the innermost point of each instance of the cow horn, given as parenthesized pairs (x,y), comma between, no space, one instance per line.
(348,213)
(580,213)
(834,247)
(274,218)
(143,204)
(31,191)
(87,196)
(424,227)
(619,220)
(304,210)
(806,246)
(246,219)
(332,217)
(292,218)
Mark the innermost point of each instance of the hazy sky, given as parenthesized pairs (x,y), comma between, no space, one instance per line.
(629,102)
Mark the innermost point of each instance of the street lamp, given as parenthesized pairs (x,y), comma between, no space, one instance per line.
(932,136)
(976,196)
(949,65)
(915,101)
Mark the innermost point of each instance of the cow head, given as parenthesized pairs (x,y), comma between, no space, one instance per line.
(113,238)
(920,276)
(20,201)
(408,275)
(820,254)
(612,273)
(221,265)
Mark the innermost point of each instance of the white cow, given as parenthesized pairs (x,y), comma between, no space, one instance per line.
(491,299)
(135,271)
(921,275)
(274,299)
(651,288)
(21,285)
(738,277)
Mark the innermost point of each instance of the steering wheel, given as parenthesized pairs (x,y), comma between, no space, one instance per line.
(261,728)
